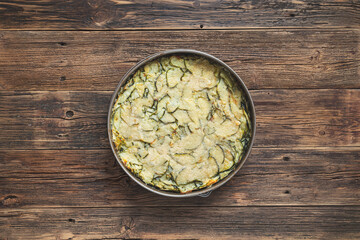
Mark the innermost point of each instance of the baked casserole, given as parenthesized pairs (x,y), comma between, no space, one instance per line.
(180,123)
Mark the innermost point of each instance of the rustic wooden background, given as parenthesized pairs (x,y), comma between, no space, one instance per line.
(61,60)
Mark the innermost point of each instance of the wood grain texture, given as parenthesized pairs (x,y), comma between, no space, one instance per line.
(77,120)
(92,178)
(179,14)
(186,223)
(59,178)
(82,60)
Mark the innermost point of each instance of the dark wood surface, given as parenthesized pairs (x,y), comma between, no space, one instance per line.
(61,60)
(176,14)
(92,178)
(271,58)
(208,223)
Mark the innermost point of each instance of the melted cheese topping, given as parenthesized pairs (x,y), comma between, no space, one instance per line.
(180,123)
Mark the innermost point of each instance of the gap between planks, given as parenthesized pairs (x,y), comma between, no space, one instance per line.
(34,207)
(332,28)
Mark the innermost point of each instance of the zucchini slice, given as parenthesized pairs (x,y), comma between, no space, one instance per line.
(177,61)
(184,159)
(191,141)
(218,154)
(227,129)
(182,117)
(152,70)
(167,118)
(173,77)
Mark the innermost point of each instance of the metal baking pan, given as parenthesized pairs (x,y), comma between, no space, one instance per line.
(205,191)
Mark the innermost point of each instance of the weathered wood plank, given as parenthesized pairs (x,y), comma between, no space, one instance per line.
(186,223)
(92,178)
(180,14)
(77,120)
(307,118)
(60,60)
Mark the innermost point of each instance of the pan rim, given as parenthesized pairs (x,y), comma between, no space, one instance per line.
(251,106)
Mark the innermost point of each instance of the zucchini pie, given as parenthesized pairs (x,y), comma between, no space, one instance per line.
(180,123)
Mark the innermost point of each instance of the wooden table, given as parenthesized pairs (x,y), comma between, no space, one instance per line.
(60,62)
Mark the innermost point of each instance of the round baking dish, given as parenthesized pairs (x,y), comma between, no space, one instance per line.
(251,110)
